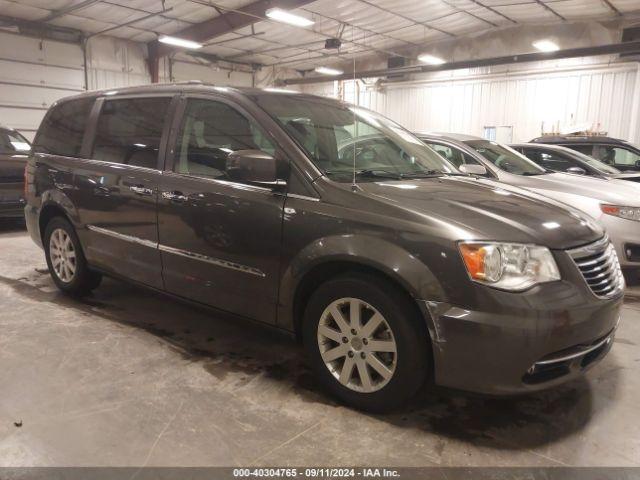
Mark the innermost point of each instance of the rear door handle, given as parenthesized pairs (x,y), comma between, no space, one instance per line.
(141,190)
(178,197)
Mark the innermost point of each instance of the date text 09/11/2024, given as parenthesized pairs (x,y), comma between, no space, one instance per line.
(321,472)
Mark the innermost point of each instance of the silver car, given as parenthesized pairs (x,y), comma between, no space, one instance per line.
(614,203)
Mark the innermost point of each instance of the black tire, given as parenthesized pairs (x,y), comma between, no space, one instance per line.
(84,280)
(413,347)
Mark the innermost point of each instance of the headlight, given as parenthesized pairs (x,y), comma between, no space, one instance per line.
(630,213)
(508,266)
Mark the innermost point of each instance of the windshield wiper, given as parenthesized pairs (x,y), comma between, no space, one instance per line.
(382,173)
(534,174)
(431,173)
(376,172)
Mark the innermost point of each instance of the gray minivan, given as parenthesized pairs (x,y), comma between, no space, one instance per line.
(328,221)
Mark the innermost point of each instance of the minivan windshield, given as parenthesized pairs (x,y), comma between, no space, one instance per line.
(341,138)
(506,158)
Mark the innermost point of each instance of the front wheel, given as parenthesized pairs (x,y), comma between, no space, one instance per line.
(65,259)
(366,343)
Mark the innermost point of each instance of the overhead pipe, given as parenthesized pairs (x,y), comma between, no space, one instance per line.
(614,48)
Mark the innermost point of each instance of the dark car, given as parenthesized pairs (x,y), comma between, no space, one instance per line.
(392,272)
(612,151)
(14,151)
(563,159)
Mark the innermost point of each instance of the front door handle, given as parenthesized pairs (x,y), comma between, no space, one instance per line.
(141,190)
(177,197)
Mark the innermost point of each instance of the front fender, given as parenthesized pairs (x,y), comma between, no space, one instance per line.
(389,259)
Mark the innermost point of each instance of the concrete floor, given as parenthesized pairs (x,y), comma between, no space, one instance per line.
(130,378)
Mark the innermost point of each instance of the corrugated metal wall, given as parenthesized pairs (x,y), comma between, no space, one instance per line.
(598,95)
(35,73)
(113,62)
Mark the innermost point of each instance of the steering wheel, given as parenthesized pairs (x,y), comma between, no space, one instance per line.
(367,154)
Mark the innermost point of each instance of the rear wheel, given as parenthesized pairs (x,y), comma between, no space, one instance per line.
(66,262)
(366,343)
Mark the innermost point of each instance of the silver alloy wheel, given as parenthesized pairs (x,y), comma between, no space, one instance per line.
(357,345)
(63,255)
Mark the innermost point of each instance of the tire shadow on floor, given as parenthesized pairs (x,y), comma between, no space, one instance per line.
(225,344)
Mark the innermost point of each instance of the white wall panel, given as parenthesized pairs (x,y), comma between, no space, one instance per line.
(113,63)
(602,96)
(33,74)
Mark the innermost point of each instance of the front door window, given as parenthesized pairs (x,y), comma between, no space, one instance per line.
(210,132)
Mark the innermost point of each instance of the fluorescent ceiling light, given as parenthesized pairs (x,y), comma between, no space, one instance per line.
(329,71)
(546,46)
(283,16)
(180,42)
(431,59)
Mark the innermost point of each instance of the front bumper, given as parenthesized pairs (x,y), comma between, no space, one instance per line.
(508,343)
(31,217)
(625,236)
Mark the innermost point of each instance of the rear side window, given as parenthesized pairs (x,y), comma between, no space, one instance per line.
(615,155)
(62,129)
(129,131)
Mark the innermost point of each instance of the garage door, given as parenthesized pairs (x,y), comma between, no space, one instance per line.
(33,74)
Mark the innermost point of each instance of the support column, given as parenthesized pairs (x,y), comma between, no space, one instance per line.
(153,62)
(634,124)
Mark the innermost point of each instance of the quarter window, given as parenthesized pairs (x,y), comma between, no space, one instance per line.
(62,130)
(129,131)
(210,132)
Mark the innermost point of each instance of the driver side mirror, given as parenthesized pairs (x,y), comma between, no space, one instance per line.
(638,163)
(253,166)
(472,169)
(576,170)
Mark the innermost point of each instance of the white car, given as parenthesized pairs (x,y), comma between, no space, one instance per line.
(615,204)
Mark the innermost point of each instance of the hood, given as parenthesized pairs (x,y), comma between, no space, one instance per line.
(613,191)
(478,209)
(630,176)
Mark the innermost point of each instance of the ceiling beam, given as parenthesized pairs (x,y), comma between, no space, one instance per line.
(230,21)
(611,49)
(130,22)
(612,7)
(404,17)
(547,7)
(493,10)
(64,11)
(42,30)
